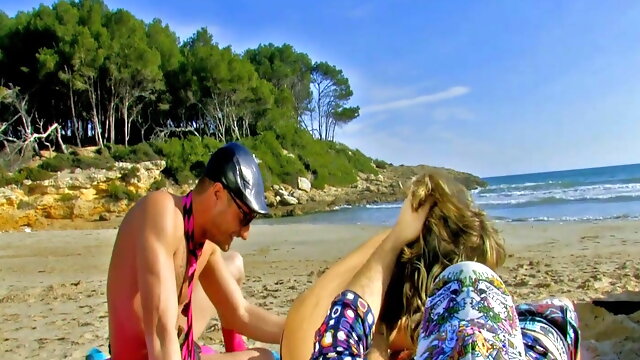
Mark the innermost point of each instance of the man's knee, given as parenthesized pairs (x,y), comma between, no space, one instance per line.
(235,263)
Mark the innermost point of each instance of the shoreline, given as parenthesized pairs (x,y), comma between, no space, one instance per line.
(114,222)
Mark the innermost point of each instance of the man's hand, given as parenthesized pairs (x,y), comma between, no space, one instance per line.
(234,310)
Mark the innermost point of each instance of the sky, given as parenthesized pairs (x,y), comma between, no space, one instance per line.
(487,87)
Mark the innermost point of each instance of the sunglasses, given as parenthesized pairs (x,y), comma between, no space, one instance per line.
(247,216)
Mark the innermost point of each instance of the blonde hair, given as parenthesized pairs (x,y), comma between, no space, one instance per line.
(454,231)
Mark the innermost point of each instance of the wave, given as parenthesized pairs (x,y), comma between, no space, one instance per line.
(604,193)
(555,185)
(340,207)
(384,206)
(567,218)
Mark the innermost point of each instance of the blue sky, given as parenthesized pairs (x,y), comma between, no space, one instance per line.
(489,87)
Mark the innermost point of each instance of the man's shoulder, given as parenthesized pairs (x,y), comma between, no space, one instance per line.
(157,211)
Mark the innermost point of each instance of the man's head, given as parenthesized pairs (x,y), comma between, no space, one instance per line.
(233,180)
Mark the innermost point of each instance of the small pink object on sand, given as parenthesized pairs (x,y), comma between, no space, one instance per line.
(233,341)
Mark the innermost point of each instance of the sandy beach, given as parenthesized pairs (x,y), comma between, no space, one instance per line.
(52,283)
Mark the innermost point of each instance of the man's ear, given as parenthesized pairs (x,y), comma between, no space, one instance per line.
(218,191)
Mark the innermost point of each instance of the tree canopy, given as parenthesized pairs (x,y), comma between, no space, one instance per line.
(79,73)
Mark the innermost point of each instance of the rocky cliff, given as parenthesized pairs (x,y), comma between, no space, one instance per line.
(99,195)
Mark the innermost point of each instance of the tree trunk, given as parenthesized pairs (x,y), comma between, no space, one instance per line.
(94,115)
(76,128)
(60,143)
(111,115)
(319,107)
(125,116)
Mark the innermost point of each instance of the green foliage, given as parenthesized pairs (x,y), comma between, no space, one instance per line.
(60,162)
(119,192)
(34,174)
(105,69)
(130,174)
(26,173)
(276,165)
(25,205)
(381,164)
(185,159)
(287,70)
(6,178)
(93,162)
(329,163)
(159,184)
(329,106)
(66,197)
(57,163)
(133,154)
(81,61)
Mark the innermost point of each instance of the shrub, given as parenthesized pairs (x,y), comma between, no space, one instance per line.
(133,154)
(93,162)
(185,159)
(102,160)
(25,205)
(6,178)
(276,166)
(161,183)
(380,164)
(325,160)
(57,163)
(103,150)
(130,174)
(66,197)
(330,163)
(119,192)
(34,174)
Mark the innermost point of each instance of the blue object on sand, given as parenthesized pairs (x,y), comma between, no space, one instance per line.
(96,354)
(276,355)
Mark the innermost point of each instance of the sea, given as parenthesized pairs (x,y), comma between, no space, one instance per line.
(602,193)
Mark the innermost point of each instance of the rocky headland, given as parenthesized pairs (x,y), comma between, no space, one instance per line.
(98,196)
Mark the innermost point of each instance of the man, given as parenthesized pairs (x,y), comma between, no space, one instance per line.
(171,266)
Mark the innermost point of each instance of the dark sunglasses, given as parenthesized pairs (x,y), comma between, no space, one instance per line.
(247,216)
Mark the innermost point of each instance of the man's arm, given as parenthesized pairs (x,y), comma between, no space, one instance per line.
(156,279)
(234,310)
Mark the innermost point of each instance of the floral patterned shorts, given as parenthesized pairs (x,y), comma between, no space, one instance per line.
(471,316)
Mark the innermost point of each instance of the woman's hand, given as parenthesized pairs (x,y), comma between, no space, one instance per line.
(409,224)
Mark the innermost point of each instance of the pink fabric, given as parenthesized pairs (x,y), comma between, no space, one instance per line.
(193,253)
(233,341)
(207,350)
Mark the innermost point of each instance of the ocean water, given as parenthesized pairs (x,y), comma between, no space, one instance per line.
(611,192)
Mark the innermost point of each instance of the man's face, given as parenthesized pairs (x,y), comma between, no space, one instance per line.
(232,219)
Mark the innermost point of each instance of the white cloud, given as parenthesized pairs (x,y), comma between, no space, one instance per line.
(380,93)
(423,99)
(451,113)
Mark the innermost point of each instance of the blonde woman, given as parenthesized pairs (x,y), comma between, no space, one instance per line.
(390,285)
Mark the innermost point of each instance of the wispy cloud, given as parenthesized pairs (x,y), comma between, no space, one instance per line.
(452,113)
(423,99)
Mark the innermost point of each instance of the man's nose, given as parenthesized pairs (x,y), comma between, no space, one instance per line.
(244,232)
